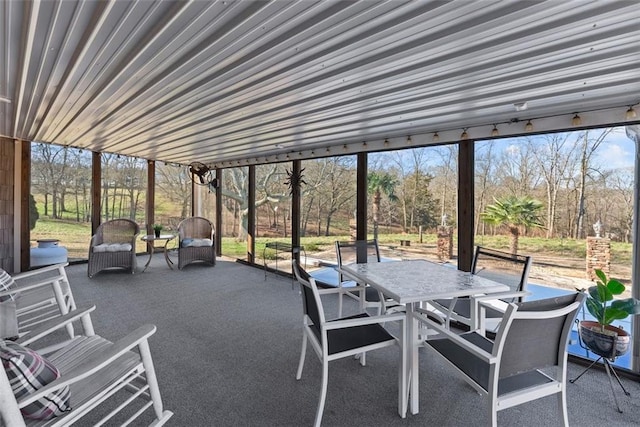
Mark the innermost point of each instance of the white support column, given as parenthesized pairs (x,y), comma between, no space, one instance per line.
(633,132)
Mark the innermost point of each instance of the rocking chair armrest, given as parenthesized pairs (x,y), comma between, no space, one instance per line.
(39,270)
(95,363)
(54,324)
(24,288)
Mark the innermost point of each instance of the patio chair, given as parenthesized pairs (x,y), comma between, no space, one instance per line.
(58,386)
(339,338)
(503,267)
(32,297)
(196,241)
(527,360)
(113,245)
(352,252)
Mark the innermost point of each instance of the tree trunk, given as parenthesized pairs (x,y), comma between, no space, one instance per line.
(375,212)
(515,232)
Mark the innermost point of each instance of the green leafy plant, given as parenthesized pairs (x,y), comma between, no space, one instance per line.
(157,227)
(603,306)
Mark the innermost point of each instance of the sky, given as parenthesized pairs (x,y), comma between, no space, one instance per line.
(617,152)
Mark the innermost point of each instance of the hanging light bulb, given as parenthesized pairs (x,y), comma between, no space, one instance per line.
(345,148)
(576,120)
(464,135)
(409,141)
(436,137)
(529,126)
(386,142)
(494,131)
(631,113)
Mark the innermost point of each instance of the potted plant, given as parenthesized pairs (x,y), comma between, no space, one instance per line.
(157,228)
(599,335)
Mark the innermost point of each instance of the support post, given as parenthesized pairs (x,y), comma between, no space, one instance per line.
(465,204)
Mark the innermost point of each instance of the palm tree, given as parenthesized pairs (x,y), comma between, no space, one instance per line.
(377,184)
(514,212)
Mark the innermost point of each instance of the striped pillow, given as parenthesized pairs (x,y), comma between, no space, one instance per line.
(6,282)
(27,372)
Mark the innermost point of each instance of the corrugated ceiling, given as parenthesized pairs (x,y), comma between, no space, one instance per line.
(226,81)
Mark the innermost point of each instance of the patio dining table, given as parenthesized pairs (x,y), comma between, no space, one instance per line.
(411,283)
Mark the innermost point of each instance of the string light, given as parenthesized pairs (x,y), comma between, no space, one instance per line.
(409,141)
(576,120)
(436,137)
(494,131)
(529,126)
(386,142)
(345,148)
(364,144)
(631,113)
(464,135)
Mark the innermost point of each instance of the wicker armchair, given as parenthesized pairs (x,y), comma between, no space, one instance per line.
(196,243)
(113,245)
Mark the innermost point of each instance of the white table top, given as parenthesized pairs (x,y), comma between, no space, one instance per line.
(152,237)
(420,280)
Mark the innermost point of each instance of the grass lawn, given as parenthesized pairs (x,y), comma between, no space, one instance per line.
(566,255)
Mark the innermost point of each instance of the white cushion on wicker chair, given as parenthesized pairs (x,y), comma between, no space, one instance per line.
(196,243)
(112,247)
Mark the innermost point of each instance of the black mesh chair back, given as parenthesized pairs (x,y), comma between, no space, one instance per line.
(527,360)
(309,302)
(502,267)
(357,251)
(509,269)
(537,343)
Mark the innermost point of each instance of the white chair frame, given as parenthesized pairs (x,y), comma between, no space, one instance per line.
(321,345)
(556,384)
(42,294)
(95,366)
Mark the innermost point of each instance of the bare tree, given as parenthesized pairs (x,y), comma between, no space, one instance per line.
(622,183)
(517,171)
(175,186)
(445,178)
(411,167)
(554,154)
(484,170)
(337,191)
(588,142)
(51,163)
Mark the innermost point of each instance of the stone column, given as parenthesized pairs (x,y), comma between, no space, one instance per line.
(598,256)
(445,243)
